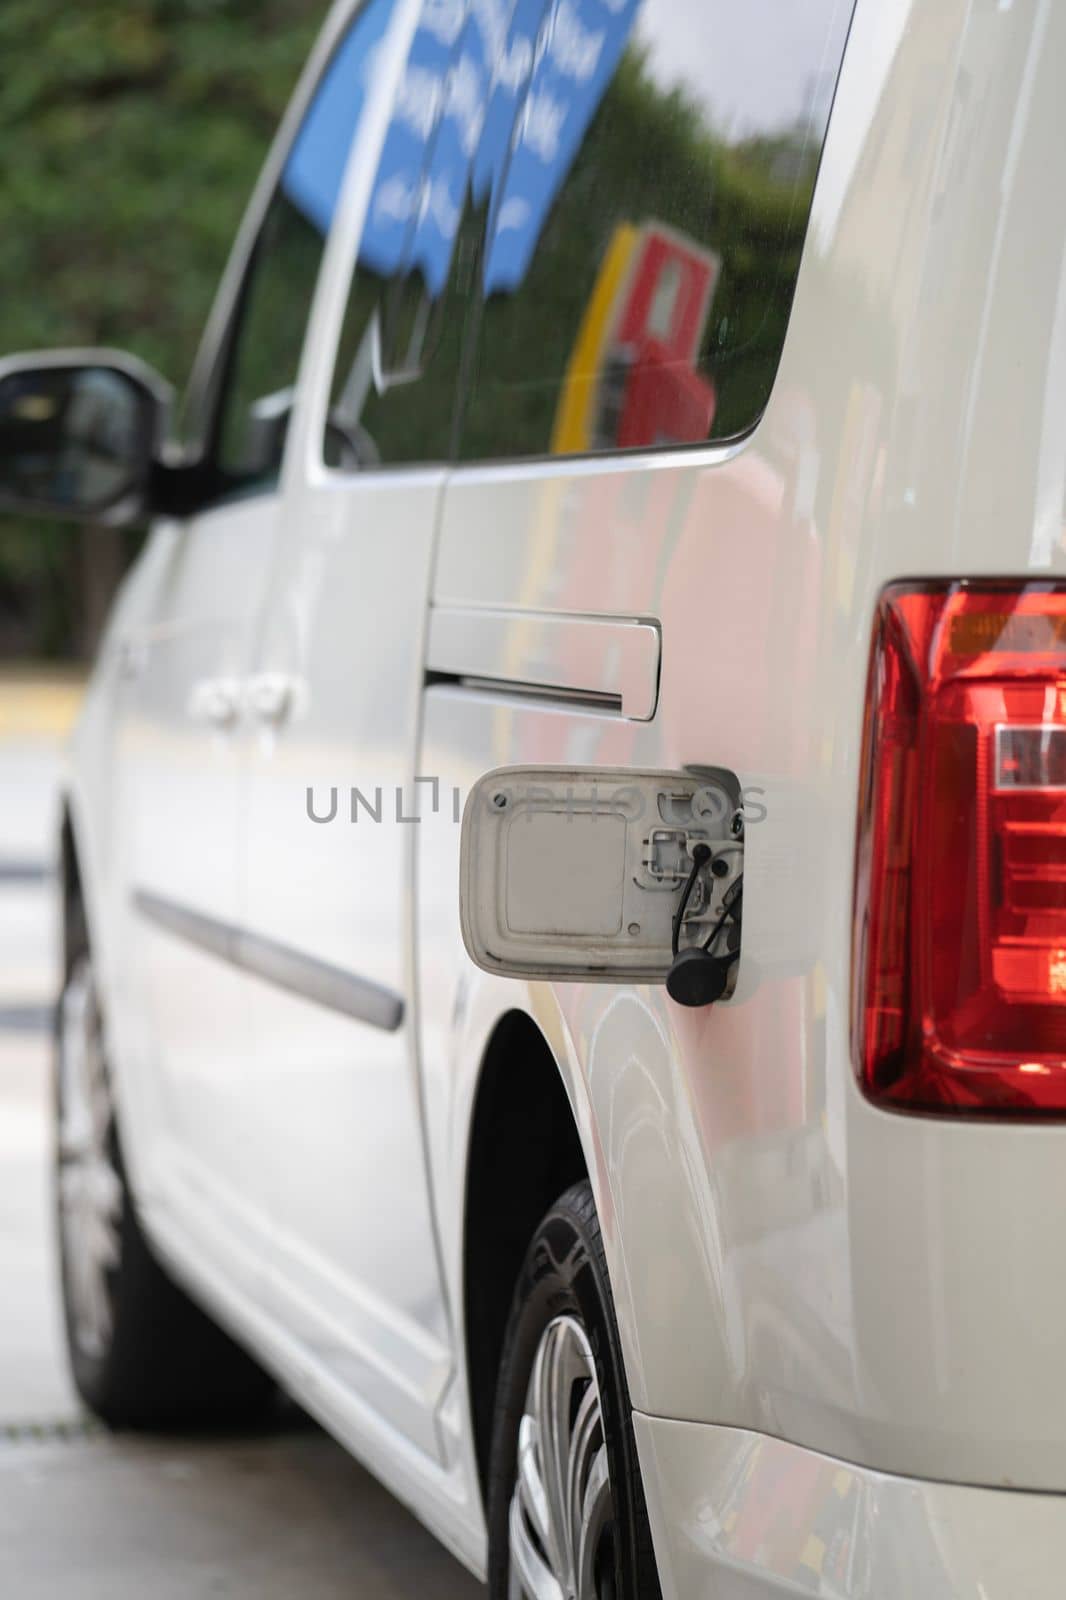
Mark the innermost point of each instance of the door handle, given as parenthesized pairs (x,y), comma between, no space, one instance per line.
(611,659)
(132,657)
(270,697)
(217,701)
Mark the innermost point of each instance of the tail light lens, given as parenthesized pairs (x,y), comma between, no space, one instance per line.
(960,913)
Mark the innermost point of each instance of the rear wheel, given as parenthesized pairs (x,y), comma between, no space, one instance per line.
(142,1354)
(567,1518)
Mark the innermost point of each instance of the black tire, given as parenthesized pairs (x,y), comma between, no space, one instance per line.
(564,1276)
(163,1363)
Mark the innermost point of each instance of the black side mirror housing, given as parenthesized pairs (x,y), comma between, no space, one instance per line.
(81,433)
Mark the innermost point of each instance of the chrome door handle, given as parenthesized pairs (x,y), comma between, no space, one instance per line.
(614,660)
(270,697)
(216,700)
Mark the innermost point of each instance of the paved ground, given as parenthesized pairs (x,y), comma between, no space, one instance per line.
(84,1516)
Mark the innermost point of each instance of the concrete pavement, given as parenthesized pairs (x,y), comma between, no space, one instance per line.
(285,1517)
(89,1516)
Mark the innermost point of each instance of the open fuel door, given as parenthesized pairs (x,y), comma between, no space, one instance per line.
(606,875)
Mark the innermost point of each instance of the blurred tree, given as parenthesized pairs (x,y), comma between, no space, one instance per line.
(132,132)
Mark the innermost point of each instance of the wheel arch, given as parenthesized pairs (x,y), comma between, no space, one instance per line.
(80,910)
(85,907)
(72,893)
(524,1151)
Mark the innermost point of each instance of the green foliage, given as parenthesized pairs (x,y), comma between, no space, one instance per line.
(132,133)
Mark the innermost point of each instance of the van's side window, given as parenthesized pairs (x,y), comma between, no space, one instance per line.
(638,177)
(393,401)
(272,316)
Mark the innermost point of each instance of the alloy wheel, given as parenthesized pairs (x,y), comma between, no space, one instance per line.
(89,1185)
(561,1527)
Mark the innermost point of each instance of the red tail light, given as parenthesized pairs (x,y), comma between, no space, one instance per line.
(960,910)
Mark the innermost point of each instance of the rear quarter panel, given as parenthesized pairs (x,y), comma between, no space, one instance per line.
(786,1258)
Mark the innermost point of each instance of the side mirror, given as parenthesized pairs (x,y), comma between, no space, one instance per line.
(606,875)
(80,432)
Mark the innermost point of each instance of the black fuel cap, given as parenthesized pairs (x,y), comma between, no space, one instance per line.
(698,979)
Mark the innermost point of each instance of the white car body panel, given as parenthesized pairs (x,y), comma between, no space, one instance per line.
(807,1287)
(366,1294)
(743,1514)
(182,792)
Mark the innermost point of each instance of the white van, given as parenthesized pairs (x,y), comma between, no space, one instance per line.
(565,849)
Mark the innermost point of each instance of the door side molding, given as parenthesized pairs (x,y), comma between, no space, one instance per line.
(318,981)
